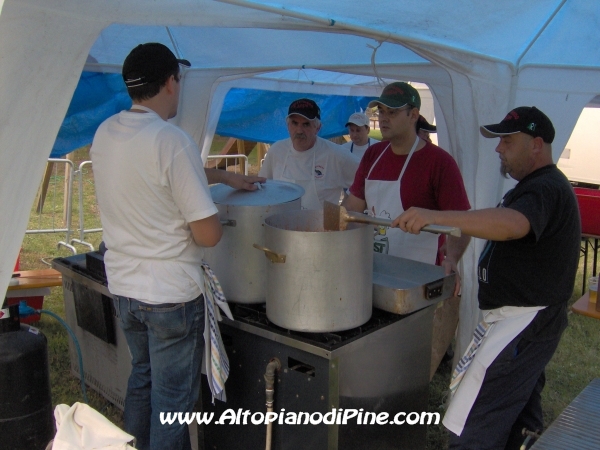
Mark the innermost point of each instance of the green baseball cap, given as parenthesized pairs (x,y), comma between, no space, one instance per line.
(397,95)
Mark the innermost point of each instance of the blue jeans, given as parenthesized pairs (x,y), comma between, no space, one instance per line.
(166,344)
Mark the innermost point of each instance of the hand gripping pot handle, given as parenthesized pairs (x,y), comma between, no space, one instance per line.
(273,256)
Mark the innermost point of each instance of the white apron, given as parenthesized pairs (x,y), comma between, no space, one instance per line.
(505,324)
(384,200)
(310,199)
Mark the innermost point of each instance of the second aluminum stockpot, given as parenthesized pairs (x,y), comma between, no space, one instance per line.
(239,267)
(317,280)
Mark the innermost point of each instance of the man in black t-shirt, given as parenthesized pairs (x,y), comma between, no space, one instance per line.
(526,276)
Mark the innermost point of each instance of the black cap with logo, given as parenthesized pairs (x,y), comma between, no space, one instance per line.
(305,107)
(524,119)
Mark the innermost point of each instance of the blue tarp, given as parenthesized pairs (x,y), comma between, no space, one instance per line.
(259,115)
(249,114)
(97,97)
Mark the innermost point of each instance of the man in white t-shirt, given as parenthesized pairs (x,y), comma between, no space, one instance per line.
(358,128)
(321,167)
(157,214)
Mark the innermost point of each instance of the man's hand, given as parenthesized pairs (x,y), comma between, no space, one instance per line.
(236,181)
(414,219)
(450,267)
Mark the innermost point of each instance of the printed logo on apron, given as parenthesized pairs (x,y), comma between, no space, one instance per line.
(381,242)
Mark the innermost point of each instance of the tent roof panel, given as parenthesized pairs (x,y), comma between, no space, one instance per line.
(208,47)
(571,38)
(499,30)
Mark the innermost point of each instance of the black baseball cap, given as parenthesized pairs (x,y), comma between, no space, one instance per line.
(422,124)
(306,108)
(524,119)
(149,63)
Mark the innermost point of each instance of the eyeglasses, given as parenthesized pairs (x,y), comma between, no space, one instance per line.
(391,112)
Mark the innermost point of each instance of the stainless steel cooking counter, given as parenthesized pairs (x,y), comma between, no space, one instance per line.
(381,366)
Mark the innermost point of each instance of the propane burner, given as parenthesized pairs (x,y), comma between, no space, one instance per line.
(255,314)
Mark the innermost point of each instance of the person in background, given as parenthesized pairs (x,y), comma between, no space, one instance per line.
(321,167)
(358,128)
(424,128)
(526,276)
(157,214)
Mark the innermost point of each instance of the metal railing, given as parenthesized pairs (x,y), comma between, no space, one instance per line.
(48,222)
(234,157)
(51,181)
(68,192)
(82,229)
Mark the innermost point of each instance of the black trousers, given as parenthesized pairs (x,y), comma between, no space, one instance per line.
(509,399)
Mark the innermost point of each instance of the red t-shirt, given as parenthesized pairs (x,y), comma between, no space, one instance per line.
(432,179)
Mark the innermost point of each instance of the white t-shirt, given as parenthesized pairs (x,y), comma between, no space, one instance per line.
(359,150)
(333,170)
(150,183)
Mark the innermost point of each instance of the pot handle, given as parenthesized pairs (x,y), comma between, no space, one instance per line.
(273,257)
(228,223)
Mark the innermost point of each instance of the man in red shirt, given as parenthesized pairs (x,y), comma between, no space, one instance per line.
(403,171)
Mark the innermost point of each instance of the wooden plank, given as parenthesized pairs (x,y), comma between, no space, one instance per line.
(32,279)
(44,187)
(585,308)
(228,149)
(262,151)
(241,150)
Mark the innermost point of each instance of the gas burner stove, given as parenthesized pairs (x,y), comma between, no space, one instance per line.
(255,314)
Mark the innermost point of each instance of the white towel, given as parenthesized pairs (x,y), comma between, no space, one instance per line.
(81,427)
(215,357)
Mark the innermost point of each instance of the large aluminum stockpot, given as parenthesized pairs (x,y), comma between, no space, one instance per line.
(317,280)
(239,267)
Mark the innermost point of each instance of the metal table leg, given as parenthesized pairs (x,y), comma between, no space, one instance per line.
(584,251)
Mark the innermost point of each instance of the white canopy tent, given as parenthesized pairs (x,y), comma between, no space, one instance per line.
(479,58)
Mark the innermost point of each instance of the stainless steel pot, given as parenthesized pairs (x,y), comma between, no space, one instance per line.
(241,269)
(317,280)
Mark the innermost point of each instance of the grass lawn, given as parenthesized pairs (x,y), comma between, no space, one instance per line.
(575,364)
(376,134)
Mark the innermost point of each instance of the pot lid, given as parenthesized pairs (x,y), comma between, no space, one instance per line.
(272,193)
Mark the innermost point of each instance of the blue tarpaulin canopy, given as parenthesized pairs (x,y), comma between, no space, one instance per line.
(249,114)
(97,97)
(257,115)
